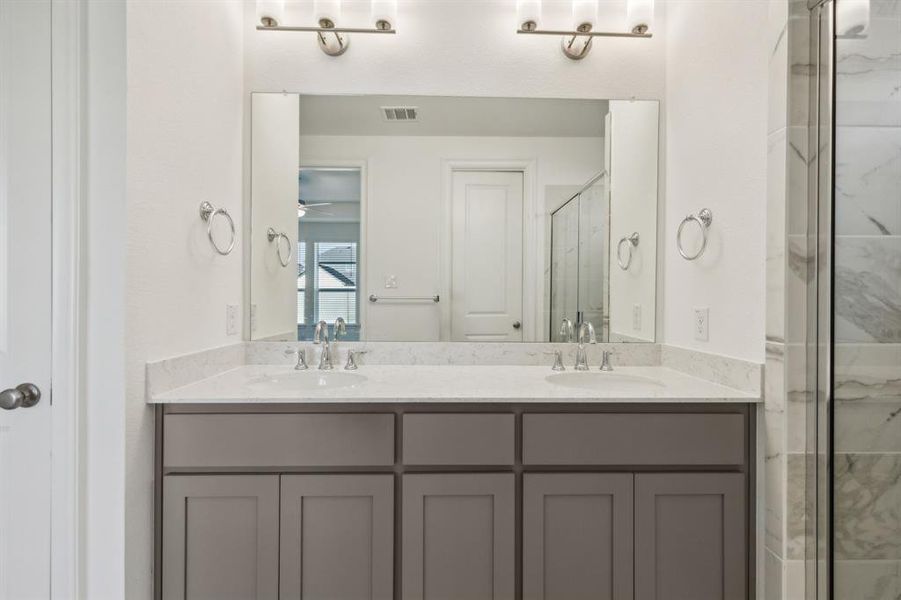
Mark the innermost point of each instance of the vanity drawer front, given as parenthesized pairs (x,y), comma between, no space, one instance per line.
(634,439)
(459,439)
(278,440)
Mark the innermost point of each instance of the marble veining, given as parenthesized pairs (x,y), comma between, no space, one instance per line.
(796,506)
(868,579)
(868,289)
(868,71)
(867,179)
(867,506)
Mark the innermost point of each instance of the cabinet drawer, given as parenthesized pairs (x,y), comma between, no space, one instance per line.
(634,439)
(278,440)
(459,439)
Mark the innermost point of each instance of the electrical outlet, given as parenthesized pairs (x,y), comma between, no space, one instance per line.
(636,317)
(702,324)
(391,282)
(231,319)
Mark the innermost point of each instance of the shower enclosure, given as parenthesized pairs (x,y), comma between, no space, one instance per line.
(853,549)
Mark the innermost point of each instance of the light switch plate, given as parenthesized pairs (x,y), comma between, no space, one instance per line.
(702,324)
(636,317)
(391,282)
(231,319)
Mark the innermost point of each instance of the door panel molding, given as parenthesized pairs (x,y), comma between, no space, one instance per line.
(532,285)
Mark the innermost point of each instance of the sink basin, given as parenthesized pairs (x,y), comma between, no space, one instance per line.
(604,381)
(311,380)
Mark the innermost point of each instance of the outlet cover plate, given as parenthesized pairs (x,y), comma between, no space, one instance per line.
(231,319)
(701,324)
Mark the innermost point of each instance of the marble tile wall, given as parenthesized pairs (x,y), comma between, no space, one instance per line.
(787,267)
(867,483)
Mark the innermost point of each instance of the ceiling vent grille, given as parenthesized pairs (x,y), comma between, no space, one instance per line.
(400,113)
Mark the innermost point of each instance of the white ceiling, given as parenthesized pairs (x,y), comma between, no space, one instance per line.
(329,185)
(453,116)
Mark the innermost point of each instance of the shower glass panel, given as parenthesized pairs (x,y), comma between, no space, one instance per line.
(866,373)
(580,262)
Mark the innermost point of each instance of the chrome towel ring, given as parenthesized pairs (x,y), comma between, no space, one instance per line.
(704,218)
(208,213)
(277,236)
(631,242)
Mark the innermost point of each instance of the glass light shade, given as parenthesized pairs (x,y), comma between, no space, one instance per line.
(528,11)
(585,12)
(327,11)
(852,17)
(639,15)
(384,12)
(270,12)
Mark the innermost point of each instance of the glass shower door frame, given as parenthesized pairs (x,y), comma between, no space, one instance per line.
(820,316)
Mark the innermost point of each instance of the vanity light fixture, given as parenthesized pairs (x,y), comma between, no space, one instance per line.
(577,41)
(332,39)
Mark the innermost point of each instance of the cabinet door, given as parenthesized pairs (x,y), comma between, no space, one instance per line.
(459,537)
(577,536)
(337,537)
(220,537)
(690,536)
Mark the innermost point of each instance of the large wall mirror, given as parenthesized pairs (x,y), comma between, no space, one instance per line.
(426,218)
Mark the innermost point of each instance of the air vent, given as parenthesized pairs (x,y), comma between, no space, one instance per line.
(400,113)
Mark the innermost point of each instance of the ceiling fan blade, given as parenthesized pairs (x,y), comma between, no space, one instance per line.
(316,204)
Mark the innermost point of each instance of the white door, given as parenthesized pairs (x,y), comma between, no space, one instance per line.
(486,275)
(25,255)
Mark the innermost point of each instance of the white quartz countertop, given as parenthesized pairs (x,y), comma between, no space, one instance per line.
(407,383)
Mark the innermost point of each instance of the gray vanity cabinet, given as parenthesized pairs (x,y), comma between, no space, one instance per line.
(459,536)
(337,537)
(690,536)
(406,502)
(220,537)
(577,536)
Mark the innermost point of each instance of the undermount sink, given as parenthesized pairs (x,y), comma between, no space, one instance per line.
(308,380)
(600,380)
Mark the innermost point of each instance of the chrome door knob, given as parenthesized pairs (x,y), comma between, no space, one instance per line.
(516,324)
(25,395)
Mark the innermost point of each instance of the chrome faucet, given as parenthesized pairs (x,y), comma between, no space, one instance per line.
(340,328)
(567,331)
(320,336)
(301,358)
(587,329)
(605,361)
(352,357)
(586,333)
(558,360)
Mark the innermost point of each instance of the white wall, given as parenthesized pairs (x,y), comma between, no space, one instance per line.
(185,128)
(274,189)
(449,47)
(103,543)
(405,182)
(633,209)
(716,115)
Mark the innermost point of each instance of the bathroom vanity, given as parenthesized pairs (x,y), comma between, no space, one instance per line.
(545,490)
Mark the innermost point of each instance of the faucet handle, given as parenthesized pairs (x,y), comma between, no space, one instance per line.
(301,360)
(605,360)
(352,355)
(558,360)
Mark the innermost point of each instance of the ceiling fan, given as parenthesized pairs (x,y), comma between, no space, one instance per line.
(315,209)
